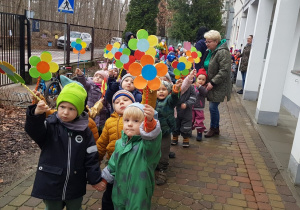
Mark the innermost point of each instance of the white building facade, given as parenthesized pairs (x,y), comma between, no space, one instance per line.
(273,74)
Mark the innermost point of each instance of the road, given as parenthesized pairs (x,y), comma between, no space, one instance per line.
(58,55)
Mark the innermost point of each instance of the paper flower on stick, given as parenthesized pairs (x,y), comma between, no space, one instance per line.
(110,50)
(78,46)
(181,67)
(146,73)
(193,55)
(123,58)
(10,71)
(42,66)
(143,45)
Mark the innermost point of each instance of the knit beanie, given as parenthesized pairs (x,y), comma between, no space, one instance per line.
(125,76)
(74,94)
(168,77)
(123,93)
(168,85)
(103,73)
(111,66)
(201,71)
(65,80)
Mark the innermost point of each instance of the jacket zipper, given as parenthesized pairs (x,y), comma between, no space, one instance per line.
(118,127)
(68,166)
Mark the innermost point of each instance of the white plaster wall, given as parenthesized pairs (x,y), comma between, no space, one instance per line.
(292,81)
(296,143)
(292,88)
(237,5)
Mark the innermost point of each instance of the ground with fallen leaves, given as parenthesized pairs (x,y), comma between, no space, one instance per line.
(18,153)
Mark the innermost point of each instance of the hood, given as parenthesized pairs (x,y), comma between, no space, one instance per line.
(128,35)
(200,34)
(222,45)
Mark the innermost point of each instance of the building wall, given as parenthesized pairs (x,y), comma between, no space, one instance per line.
(238,12)
(291,97)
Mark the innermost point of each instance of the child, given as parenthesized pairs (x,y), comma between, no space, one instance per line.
(198,113)
(170,59)
(110,134)
(93,87)
(126,84)
(113,71)
(112,131)
(165,105)
(69,155)
(184,116)
(114,125)
(131,166)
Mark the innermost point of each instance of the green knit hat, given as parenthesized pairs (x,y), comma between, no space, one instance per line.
(74,94)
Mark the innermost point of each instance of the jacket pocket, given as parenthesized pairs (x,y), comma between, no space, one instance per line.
(50,169)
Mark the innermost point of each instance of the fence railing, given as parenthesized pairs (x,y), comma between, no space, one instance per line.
(12,42)
(51,36)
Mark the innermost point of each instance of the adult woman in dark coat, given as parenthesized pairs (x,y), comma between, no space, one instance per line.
(218,67)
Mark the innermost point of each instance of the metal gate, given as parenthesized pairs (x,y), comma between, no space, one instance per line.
(13,43)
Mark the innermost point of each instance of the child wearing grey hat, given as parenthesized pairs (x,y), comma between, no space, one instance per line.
(126,83)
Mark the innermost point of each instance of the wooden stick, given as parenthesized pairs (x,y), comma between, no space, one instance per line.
(38,98)
(147,94)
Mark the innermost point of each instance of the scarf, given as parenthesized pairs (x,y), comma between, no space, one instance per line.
(208,57)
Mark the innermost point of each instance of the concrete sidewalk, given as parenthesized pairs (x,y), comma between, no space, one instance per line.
(232,171)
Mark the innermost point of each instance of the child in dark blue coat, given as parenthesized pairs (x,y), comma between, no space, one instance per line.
(126,84)
(69,156)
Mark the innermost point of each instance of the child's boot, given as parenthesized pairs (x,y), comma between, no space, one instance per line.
(174,140)
(199,136)
(161,178)
(186,142)
(172,155)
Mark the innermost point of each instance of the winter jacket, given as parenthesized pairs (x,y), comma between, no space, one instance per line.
(189,98)
(111,132)
(94,95)
(171,73)
(165,109)
(131,168)
(113,87)
(113,127)
(68,158)
(201,93)
(245,58)
(219,71)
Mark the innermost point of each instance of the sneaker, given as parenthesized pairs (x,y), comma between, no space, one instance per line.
(199,136)
(172,155)
(186,142)
(161,178)
(174,140)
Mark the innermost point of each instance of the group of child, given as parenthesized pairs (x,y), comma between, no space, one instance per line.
(135,137)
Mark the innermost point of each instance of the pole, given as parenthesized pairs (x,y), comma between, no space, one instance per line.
(65,38)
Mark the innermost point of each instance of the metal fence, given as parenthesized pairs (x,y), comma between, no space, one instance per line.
(50,36)
(12,42)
